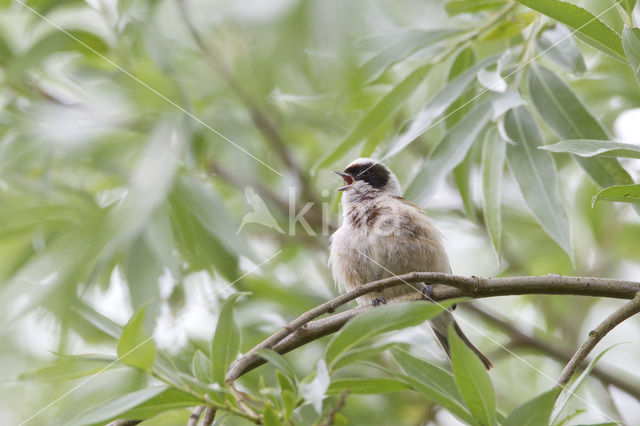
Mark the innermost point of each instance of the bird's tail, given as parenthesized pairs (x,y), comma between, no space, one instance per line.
(444,341)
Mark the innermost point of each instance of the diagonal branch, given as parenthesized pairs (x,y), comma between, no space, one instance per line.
(302,330)
(522,340)
(625,311)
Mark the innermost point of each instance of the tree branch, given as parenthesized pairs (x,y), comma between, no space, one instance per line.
(195,416)
(301,330)
(521,339)
(625,311)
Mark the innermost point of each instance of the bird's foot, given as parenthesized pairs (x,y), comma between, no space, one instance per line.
(426,290)
(379,301)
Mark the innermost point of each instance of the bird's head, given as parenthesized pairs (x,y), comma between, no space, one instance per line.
(368,178)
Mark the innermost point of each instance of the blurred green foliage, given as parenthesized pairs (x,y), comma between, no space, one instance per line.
(135,135)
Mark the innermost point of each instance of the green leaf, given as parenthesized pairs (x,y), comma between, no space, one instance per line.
(579,381)
(70,367)
(427,373)
(557,44)
(359,354)
(448,153)
(463,180)
(280,363)
(631,44)
(589,28)
(536,175)
(465,60)
(115,406)
(493,157)
(269,415)
(437,105)
(382,111)
(135,347)
(595,148)
(433,383)
(511,27)
(170,399)
(168,418)
(472,380)
(226,341)
(622,193)
(201,367)
(401,49)
(99,321)
(536,411)
(367,386)
(569,119)
(385,318)
(456,7)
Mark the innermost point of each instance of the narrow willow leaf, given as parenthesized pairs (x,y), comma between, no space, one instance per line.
(434,383)
(534,412)
(113,407)
(558,45)
(623,193)
(269,415)
(359,354)
(169,418)
(448,153)
(437,105)
(595,148)
(569,119)
(631,44)
(462,173)
(493,157)
(135,347)
(465,60)
(385,318)
(436,378)
(472,380)
(462,178)
(168,400)
(589,28)
(456,7)
(367,386)
(280,363)
(201,367)
(579,381)
(536,175)
(382,111)
(69,367)
(226,341)
(401,49)
(510,27)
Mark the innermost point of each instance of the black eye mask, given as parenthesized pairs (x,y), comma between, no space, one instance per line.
(375,175)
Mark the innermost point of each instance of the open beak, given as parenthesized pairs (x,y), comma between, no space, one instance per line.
(348,179)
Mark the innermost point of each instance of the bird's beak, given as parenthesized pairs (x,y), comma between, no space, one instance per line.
(348,179)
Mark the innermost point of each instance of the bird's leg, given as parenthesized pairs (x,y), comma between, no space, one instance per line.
(379,300)
(427,291)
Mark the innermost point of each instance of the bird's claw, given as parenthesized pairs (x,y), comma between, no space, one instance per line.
(379,301)
(426,290)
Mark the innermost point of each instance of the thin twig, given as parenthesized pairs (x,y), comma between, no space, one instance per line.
(124,422)
(242,404)
(521,340)
(301,330)
(209,416)
(331,418)
(195,416)
(625,311)
(259,118)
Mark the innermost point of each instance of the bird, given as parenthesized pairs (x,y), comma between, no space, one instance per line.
(383,235)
